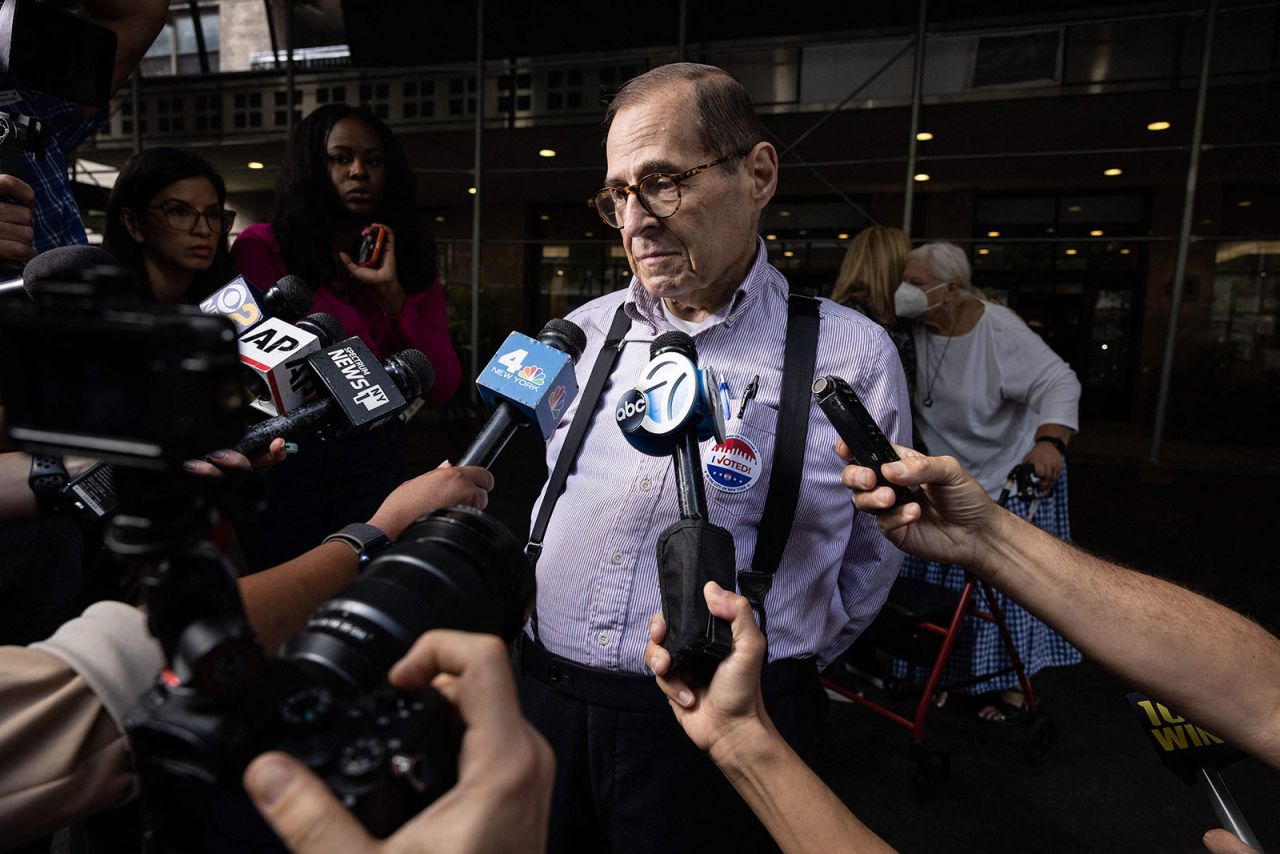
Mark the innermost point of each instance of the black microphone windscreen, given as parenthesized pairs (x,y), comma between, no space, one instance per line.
(570,333)
(289,298)
(419,367)
(681,342)
(324,326)
(64,262)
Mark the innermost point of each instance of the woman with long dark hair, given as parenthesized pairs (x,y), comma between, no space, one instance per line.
(343,175)
(167,223)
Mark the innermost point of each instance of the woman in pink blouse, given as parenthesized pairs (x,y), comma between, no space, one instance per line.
(344,172)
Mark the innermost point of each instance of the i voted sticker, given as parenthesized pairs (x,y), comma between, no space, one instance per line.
(733,465)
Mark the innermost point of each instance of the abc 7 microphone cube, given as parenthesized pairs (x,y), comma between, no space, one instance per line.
(275,353)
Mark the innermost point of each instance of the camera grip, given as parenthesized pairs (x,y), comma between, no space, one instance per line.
(690,553)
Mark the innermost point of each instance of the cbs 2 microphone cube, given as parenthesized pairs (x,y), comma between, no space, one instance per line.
(276,353)
(536,379)
(236,302)
(356,380)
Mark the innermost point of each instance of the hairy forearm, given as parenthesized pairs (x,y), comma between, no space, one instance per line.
(1206,661)
(16,499)
(800,812)
(279,600)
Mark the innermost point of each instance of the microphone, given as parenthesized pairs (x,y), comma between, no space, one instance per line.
(288,300)
(271,358)
(60,272)
(673,406)
(527,382)
(359,393)
(1193,754)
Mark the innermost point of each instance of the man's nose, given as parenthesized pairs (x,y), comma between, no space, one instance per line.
(634,217)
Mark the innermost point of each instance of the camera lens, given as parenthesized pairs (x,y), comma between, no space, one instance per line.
(457,568)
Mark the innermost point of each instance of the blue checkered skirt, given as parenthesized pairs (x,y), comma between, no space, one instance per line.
(979,648)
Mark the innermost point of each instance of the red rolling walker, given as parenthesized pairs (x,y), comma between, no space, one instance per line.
(928,612)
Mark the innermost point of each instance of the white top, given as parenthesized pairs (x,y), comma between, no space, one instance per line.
(993,387)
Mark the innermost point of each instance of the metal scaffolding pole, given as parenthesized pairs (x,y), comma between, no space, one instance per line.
(475,202)
(289,85)
(135,98)
(917,87)
(682,46)
(271,33)
(194,8)
(1184,235)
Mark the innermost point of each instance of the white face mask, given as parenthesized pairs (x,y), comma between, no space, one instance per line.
(912,300)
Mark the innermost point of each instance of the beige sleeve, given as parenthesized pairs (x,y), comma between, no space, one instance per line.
(62,757)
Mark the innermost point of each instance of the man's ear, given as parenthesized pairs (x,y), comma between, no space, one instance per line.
(762,168)
(131,225)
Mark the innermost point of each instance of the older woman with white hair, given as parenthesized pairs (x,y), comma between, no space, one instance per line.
(990,393)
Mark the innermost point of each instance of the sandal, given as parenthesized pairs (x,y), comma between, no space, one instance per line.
(1003,707)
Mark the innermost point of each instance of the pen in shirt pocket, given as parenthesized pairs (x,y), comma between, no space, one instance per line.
(752,388)
(726,400)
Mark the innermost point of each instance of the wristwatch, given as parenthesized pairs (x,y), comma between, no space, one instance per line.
(366,540)
(1056,442)
(48,480)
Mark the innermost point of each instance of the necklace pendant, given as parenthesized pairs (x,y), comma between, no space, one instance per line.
(928,401)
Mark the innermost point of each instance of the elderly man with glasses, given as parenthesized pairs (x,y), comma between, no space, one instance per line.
(689,175)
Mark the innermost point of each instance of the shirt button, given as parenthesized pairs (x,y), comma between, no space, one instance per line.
(646,485)
(617,557)
(603,638)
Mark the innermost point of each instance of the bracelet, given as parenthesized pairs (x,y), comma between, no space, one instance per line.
(1056,442)
(365,540)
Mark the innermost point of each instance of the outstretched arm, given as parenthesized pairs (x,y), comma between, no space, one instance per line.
(1205,660)
(727,719)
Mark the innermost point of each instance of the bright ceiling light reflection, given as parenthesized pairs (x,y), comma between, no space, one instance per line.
(924,136)
(1112,172)
(1158,126)
(921,176)
(546,152)
(255,164)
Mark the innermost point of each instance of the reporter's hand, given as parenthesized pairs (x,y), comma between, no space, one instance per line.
(382,278)
(444,486)
(719,716)
(1220,841)
(502,801)
(226,460)
(945,526)
(16,234)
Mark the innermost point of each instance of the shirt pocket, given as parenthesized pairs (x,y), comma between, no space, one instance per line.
(736,471)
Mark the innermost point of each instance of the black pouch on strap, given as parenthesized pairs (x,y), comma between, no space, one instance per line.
(690,553)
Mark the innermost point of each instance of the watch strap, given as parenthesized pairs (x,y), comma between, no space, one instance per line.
(1056,442)
(48,481)
(365,540)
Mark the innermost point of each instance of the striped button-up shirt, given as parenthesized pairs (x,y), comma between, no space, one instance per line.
(597,575)
(55,217)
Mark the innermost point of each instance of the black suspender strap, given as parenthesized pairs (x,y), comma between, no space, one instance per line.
(607,358)
(787,469)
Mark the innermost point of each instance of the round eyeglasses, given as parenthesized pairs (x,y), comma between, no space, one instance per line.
(658,192)
(182,217)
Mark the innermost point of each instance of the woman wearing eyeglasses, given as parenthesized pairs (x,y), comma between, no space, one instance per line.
(167,223)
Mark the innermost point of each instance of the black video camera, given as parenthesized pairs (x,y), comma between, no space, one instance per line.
(89,371)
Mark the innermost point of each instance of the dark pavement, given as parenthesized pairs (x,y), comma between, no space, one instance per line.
(1102,787)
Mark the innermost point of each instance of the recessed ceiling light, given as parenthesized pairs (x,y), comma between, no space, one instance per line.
(1244,203)
(1072,251)
(439,219)
(788,254)
(844,235)
(771,237)
(256,164)
(544,217)
(1124,251)
(1158,126)
(922,176)
(1112,172)
(546,152)
(784,213)
(804,232)
(1104,346)
(588,234)
(471,190)
(1050,230)
(1097,232)
(1074,209)
(993,234)
(984,251)
(924,136)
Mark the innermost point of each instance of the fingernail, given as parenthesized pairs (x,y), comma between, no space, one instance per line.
(685,698)
(220,455)
(653,664)
(191,465)
(269,780)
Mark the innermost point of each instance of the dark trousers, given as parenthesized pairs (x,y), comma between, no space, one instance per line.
(627,777)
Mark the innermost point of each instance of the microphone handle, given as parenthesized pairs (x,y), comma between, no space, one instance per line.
(689,489)
(301,419)
(493,437)
(1228,812)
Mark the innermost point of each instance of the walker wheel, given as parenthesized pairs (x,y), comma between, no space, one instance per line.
(931,769)
(1039,738)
